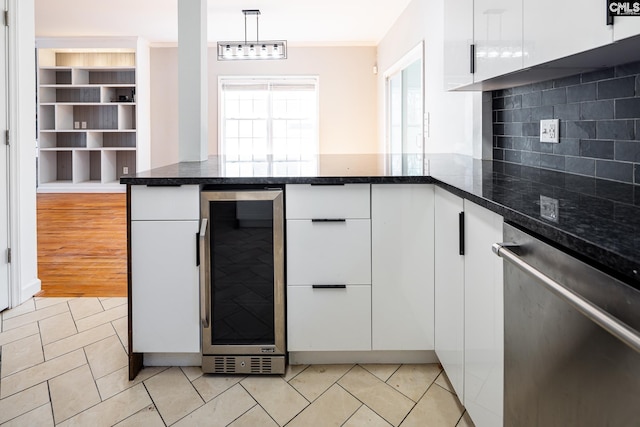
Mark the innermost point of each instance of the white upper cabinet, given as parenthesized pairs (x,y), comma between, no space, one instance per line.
(497,33)
(625,26)
(458,38)
(555,29)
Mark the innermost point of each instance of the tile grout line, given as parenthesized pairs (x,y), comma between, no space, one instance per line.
(154,404)
(370,408)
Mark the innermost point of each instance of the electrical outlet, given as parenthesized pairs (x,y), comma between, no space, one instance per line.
(549,208)
(550,130)
(125,170)
(84,125)
(76,125)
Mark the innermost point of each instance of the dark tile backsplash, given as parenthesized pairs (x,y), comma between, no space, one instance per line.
(599,116)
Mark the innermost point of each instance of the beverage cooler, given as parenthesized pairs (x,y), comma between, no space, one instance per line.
(242,281)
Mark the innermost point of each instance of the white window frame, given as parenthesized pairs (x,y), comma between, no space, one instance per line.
(267,79)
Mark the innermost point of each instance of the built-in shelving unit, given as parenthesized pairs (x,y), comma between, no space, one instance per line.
(87,119)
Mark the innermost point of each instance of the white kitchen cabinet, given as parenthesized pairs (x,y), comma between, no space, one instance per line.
(555,29)
(329,319)
(625,26)
(306,201)
(402,266)
(329,252)
(165,297)
(497,34)
(164,287)
(483,317)
(328,267)
(165,203)
(458,38)
(449,288)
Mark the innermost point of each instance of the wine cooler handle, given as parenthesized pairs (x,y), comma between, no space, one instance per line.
(204,288)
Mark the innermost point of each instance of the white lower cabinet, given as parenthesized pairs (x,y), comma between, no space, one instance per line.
(449,288)
(469,305)
(483,317)
(164,292)
(402,266)
(329,319)
(165,295)
(373,277)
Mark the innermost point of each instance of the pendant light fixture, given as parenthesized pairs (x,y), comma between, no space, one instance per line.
(258,49)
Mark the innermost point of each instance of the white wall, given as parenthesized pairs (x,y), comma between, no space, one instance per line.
(348,96)
(455,117)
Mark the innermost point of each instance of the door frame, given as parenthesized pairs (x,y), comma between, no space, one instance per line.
(416,53)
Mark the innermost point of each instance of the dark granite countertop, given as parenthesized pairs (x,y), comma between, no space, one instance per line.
(598,221)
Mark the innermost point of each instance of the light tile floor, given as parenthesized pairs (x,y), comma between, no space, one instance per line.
(63,361)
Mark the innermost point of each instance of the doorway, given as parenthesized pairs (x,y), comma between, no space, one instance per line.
(404,110)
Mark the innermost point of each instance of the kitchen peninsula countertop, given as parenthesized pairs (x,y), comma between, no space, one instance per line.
(598,221)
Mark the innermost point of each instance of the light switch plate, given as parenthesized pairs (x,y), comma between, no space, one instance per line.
(550,130)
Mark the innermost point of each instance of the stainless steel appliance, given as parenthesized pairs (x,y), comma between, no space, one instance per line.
(572,350)
(242,282)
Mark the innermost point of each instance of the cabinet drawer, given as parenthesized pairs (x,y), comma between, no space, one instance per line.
(165,203)
(328,252)
(329,319)
(305,201)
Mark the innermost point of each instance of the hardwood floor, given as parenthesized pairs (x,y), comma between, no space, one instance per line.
(82,244)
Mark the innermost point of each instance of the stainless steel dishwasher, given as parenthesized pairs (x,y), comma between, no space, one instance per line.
(572,347)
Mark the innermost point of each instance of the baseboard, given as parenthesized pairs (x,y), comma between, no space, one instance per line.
(172,359)
(373,357)
(29,290)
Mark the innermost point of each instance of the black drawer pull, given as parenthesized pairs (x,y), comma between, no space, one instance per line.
(329,286)
(328,220)
(313,184)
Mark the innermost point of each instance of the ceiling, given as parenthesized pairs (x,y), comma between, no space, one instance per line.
(301,22)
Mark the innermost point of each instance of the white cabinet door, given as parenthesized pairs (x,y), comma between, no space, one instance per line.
(497,32)
(625,26)
(165,295)
(449,288)
(458,38)
(329,319)
(483,317)
(328,253)
(555,29)
(402,266)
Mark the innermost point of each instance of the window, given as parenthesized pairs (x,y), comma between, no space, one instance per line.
(404,106)
(268,123)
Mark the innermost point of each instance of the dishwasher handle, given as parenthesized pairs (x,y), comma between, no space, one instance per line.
(614,326)
(204,288)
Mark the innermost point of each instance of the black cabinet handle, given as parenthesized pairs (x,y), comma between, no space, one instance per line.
(609,15)
(197,249)
(328,220)
(472,58)
(461,232)
(329,286)
(164,185)
(313,184)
